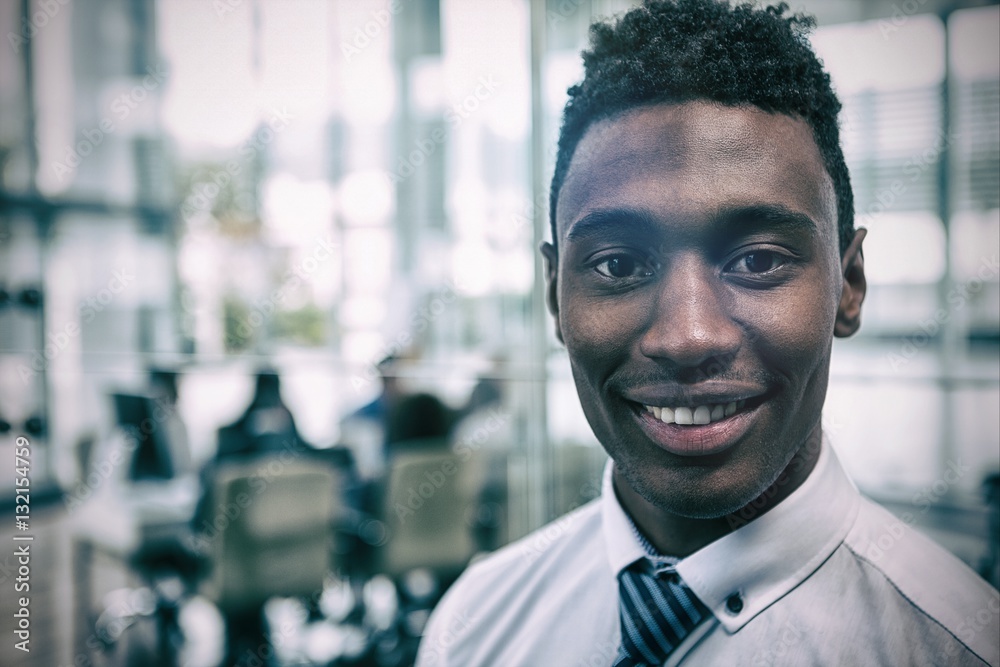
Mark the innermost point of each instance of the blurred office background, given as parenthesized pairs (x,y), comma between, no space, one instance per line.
(329,211)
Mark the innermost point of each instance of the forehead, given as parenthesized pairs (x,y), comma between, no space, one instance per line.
(692,160)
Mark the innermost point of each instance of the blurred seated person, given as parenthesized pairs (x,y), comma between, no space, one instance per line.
(164,392)
(485,419)
(419,421)
(489,390)
(158,493)
(148,418)
(265,442)
(423,424)
(266,425)
(365,430)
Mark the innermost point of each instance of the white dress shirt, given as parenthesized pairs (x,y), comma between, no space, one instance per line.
(824,578)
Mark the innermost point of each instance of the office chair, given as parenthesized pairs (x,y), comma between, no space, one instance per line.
(430,504)
(275,518)
(430,508)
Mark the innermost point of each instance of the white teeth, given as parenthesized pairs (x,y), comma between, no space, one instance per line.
(702,415)
(667,416)
(699,415)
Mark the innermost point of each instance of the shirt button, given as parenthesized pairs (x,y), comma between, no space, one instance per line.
(734,603)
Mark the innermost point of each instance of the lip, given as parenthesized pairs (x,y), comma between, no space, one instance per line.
(698,440)
(709,394)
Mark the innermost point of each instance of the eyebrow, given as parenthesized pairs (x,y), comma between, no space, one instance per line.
(766,216)
(602,221)
(745,218)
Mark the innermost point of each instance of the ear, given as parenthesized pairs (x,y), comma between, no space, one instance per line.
(853,292)
(551,256)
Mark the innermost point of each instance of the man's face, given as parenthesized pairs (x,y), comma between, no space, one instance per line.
(696,289)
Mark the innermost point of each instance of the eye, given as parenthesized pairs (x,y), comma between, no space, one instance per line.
(758,261)
(623,266)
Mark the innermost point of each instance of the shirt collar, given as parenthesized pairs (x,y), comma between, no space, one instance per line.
(762,560)
(620,536)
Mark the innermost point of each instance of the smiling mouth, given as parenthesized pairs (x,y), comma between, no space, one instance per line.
(700,415)
(700,429)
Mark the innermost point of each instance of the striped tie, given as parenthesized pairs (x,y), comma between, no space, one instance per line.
(657,612)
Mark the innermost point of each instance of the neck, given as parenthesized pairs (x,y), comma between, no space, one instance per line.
(680,536)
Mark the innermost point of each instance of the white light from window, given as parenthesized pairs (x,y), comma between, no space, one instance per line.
(975,43)
(904,248)
(472,265)
(366,198)
(296,213)
(879,55)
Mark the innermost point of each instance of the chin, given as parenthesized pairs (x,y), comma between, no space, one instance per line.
(725,492)
(700,505)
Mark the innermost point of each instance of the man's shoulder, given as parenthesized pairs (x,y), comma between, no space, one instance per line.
(570,537)
(927,577)
(576,529)
(499,595)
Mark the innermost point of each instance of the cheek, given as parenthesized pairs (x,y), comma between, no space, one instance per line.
(597,335)
(793,336)
(598,330)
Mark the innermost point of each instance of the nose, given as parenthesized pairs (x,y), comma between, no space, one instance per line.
(691,325)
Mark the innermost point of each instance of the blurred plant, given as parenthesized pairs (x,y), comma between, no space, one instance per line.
(238,334)
(227,191)
(306,325)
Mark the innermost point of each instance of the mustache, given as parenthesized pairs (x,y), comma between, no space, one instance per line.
(717,373)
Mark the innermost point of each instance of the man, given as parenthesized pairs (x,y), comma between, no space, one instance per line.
(703,258)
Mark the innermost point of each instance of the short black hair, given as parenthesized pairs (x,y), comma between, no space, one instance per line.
(675,51)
